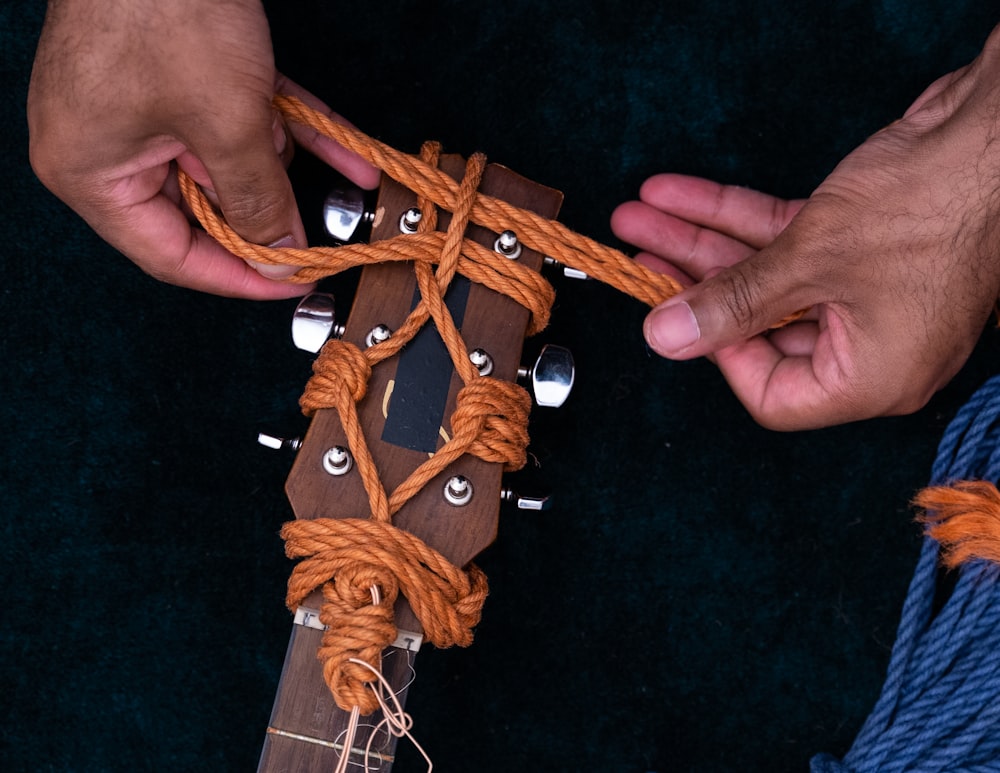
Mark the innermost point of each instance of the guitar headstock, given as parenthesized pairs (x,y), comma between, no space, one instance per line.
(406,412)
(408,415)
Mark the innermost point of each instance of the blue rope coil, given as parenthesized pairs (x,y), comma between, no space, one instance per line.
(939,709)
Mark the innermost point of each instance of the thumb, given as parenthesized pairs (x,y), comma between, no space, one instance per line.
(729,307)
(255,194)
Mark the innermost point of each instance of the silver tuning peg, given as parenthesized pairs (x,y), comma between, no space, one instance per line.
(536,502)
(279,443)
(569,273)
(551,376)
(344,213)
(313,322)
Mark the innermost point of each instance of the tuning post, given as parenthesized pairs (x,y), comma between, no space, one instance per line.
(377,335)
(551,376)
(483,361)
(458,491)
(338,461)
(410,220)
(569,273)
(345,212)
(314,322)
(279,443)
(508,245)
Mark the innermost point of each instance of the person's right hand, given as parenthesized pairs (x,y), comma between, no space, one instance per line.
(896,255)
(121,91)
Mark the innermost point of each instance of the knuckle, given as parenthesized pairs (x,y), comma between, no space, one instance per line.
(43,163)
(740,300)
(253,211)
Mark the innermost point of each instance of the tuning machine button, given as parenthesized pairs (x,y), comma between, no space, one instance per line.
(551,376)
(279,443)
(314,322)
(569,273)
(537,502)
(345,213)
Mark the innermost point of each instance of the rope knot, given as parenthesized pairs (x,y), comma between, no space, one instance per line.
(347,558)
(496,412)
(356,627)
(341,371)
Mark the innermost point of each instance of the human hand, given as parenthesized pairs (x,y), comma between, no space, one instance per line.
(896,256)
(123,91)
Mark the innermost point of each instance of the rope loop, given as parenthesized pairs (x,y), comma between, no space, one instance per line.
(498,410)
(341,371)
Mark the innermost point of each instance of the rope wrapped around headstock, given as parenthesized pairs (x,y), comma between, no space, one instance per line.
(357,560)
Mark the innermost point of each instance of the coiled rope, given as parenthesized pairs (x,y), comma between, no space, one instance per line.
(939,709)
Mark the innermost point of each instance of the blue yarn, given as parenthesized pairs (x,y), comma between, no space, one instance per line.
(940,705)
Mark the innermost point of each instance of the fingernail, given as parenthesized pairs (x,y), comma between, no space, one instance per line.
(671,329)
(284,241)
(276,271)
(280,136)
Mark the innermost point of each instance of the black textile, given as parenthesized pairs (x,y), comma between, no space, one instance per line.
(707,596)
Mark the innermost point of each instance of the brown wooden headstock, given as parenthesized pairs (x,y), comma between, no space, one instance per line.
(405,416)
(410,398)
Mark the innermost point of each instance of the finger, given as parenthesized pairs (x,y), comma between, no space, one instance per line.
(746,215)
(731,306)
(349,164)
(193,166)
(781,392)
(661,266)
(693,249)
(156,235)
(935,89)
(248,176)
(207,267)
(795,340)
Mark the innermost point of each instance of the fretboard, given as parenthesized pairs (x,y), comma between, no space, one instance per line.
(307,729)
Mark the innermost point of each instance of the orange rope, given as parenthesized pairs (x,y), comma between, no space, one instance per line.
(348,558)
(359,554)
(964,518)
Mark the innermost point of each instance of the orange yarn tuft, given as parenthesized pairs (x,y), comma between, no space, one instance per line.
(964,518)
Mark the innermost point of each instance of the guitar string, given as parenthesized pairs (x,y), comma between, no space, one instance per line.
(395,720)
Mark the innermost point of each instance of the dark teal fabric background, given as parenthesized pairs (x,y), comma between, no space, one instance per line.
(707,595)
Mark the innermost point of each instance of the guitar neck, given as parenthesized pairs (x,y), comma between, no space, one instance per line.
(307,730)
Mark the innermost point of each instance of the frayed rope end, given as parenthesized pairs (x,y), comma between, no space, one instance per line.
(964,518)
